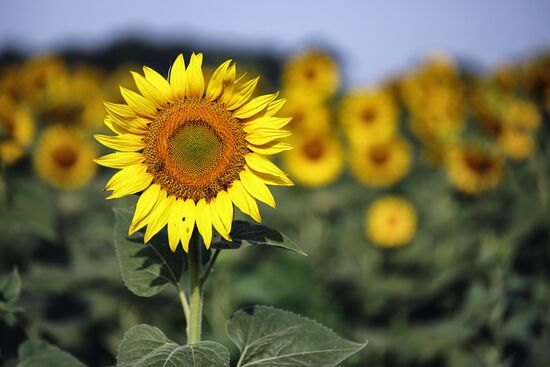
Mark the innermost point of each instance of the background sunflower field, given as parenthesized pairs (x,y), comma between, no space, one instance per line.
(422,200)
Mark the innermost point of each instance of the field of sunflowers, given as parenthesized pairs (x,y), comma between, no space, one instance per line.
(423,204)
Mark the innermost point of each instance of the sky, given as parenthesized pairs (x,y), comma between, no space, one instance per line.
(373,38)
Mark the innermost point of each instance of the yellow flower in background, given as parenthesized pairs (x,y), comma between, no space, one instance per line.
(474,168)
(516,143)
(368,115)
(390,222)
(306,116)
(37,73)
(316,159)
(193,150)
(119,77)
(64,157)
(522,114)
(380,164)
(16,130)
(313,72)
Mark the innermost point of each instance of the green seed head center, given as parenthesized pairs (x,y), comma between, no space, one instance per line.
(195,148)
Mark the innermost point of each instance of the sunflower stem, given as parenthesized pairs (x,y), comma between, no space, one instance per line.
(210,266)
(195,302)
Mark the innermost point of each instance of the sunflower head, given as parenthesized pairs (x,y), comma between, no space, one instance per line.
(474,168)
(16,130)
(382,163)
(316,159)
(516,143)
(192,149)
(64,157)
(390,222)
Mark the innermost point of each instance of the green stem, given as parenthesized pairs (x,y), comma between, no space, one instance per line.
(195,303)
(210,266)
(184,303)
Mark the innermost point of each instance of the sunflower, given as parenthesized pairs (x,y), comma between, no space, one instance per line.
(390,222)
(380,164)
(193,150)
(369,114)
(316,159)
(474,168)
(312,72)
(516,143)
(16,130)
(64,157)
(306,116)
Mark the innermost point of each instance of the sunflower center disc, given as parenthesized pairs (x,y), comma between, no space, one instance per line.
(64,157)
(195,148)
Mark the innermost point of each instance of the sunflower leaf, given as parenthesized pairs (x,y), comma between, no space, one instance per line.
(38,353)
(270,337)
(146,269)
(147,346)
(246,234)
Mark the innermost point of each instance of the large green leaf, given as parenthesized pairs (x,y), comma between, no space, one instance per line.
(269,337)
(246,234)
(38,353)
(10,287)
(147,346)
(145,269)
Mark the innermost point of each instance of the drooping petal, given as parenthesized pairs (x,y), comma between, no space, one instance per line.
(243,95)
(195,77)
(146,202)
(204,222)
(255,187)
(120,159)
(243,200)
(261,164)
(138,103)
(159,217)
(216,219)
(187,226)
(264,136)
(174,221)
(178,78)
(254,106)
(216,83)
(273,147)
(123,142)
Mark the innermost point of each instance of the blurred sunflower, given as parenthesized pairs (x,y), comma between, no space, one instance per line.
(306,116)
(380,164)
(16,130)
(390,222)
(316,159)
(64,157)
(368,115)
(474,168)
(194,150)
(516,143)
(36,74)
(312,73)
(522,114)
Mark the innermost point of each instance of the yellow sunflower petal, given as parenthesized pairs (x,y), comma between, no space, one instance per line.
(178,78)
(121,125)
(224,207)
(261,164)
(216,83)
(243,95)
(216,219)
(128,181)
(274,180)
(158,217)
(238,195)
(254,106)
(174,223)
(195,77)
(141,105)
(117,109)
(158,82)
(264,136)
(272,147)
(268,122)
(148,90)
(120,159)
(204,221)
(187,226)
(228,84)
(123,142)
(255,187)
(275,106)
(146,202)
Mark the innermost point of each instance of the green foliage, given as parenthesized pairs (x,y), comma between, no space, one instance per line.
(146,269)
(269,337)
(38,353)
(10,287)
(244,234)
(147,346)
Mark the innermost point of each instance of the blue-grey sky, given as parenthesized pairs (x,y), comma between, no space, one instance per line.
(375,38)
